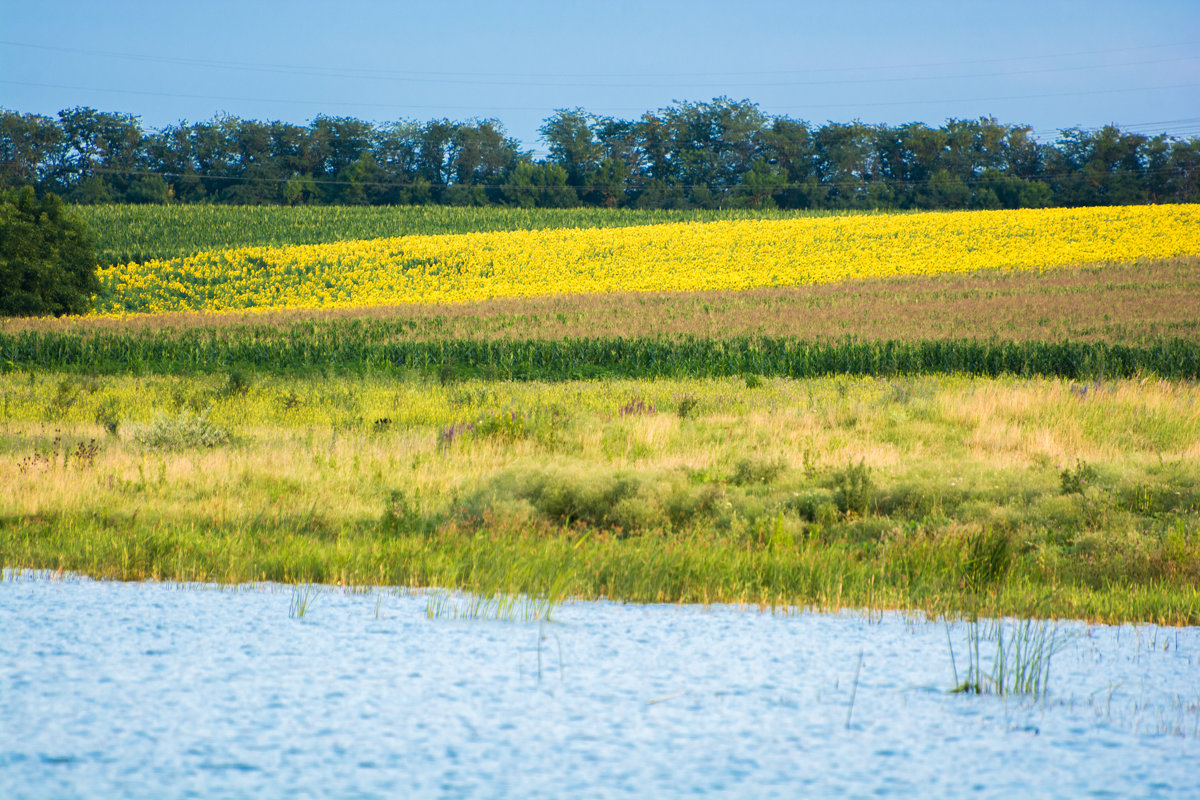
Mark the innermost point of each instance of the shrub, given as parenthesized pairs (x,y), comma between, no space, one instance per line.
(180,432)
(688,406)
(1076,480)
(756,471)
(47,260)
(853,489)
(403,516)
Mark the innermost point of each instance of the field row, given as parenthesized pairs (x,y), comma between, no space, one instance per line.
(727,255)
(1133,304)
(352,349)
(127,233)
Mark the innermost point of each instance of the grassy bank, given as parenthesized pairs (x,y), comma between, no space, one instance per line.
(1024,496)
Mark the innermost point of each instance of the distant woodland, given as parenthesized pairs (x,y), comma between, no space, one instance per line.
(723,153)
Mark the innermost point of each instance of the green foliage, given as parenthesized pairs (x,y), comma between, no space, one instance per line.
(719,153)
(853,488)
(622,501)
(505,426)
(238,384)
(750,471)
(182,431)
(688,406)
(352,346)
(47,260)
(1020,651)
(109,416)
(987,559)
(1075,481)
(141,232)
(403,516)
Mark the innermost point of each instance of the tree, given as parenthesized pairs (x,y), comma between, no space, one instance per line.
(758,185)
(47,260)
(101,152)
(573,145)
(28,145)
(149,189)
(543,185)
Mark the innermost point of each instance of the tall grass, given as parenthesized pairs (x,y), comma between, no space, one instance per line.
(362,347)
(443,604)
(1019,651)
(945,494)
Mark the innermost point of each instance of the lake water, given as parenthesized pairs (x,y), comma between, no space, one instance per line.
(156,690)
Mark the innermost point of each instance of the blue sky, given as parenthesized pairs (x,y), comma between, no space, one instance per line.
(1047,64)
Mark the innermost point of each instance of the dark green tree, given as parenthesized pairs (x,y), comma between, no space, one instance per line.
(47,260)
(101,153)
(543,185)
(28,146)
(573,145)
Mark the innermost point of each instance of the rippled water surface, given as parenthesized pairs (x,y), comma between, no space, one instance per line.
(154,690)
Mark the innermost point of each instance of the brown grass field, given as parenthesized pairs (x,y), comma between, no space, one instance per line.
(1115,303)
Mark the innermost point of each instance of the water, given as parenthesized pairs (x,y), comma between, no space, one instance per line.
(155,690)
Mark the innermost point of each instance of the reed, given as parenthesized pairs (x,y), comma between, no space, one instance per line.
(502,607)
(302,598)
(1008,657)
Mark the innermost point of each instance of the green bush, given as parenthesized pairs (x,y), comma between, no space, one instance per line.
(853,489)
(179,432)
(1076,480)
(752,471)
(47,260)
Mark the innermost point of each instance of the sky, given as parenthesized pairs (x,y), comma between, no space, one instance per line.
(1050,64)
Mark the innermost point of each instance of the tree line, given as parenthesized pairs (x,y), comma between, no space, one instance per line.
(723,153)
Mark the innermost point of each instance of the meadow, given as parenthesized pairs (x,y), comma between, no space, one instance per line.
(985,412)
(1009,496)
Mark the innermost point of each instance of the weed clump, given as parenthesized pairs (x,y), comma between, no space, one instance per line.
(182,431)
(619,501)
(1075,481)
(61,454)
(987,559)
(402,516)
(635,407)
(236,385)
(688,407)
(108,415)
(853,489)
(1020,657)
(544,425)
(756,471)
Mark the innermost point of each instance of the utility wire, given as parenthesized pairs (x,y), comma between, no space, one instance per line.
(563,82)
(872,104)
(639,181)
(309,69)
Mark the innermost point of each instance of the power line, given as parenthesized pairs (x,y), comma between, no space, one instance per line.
(309,69)
(857,183)
(871,104)
(566,81)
